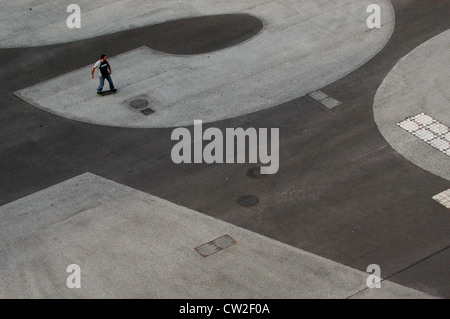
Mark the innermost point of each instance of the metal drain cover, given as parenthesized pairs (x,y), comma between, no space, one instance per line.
(207,249)
(139,104)
(216,245)
(148,111)
(248,200)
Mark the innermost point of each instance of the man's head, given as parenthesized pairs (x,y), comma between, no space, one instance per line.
(103,57)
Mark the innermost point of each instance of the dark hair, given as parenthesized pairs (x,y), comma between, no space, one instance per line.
(102,56)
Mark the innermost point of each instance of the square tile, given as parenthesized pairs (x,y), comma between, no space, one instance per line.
(447,136)
(424,135)
(423,119)
(318,95)
(409,126)
(438,128)
(440,144)
(330,103)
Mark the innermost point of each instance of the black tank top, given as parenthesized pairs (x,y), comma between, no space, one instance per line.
(104,68)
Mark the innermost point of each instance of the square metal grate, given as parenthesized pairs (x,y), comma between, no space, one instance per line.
(324,99)
(148,111)
(215,246)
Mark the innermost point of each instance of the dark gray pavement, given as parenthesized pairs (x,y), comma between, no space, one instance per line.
(342,192)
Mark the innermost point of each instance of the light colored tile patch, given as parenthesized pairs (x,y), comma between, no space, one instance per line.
(331,103)
(447,136)
(440,144)
(324,99)
(423,119)
(318,95)
(438,128)
(424,135)
(428,130)
(409,126)
(443,198)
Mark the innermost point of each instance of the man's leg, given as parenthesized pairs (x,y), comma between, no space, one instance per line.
(111,84)
(102,83)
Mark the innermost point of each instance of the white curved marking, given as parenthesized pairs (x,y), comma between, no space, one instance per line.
(304,46)
(418,84)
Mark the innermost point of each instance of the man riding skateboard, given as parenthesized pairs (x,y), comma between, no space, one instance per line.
(105,70)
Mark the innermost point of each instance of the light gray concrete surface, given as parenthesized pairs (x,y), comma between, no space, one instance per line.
(43,22)
(133,245)
(394,292)
(418,83)
(298,51)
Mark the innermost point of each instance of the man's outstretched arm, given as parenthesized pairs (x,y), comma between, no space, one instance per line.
(92,73)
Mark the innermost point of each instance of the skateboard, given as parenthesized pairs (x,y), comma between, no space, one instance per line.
(103,93)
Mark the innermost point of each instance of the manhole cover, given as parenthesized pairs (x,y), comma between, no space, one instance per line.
(248,200)
(148,111)
(255,172)
(138,104)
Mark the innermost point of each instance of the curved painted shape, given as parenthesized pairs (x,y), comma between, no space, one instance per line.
(417,84)
(304,46)
(203,34)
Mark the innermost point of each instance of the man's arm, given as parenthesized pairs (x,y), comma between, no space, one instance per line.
(109,68)
(96,65)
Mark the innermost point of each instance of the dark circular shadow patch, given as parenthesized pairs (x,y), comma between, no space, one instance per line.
(139,104)
(248,201)
(203,34)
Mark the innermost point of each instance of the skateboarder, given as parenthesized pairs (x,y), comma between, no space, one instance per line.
(105,70)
